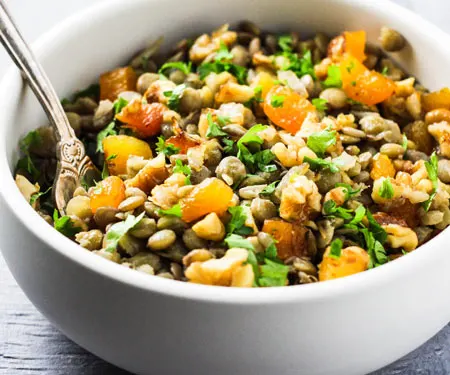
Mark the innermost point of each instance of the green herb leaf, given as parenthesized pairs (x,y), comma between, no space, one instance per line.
(320,141)
(405,142)
(181,66)
(271,252)
(269,189)
(285,42)
(378,232)
(105,171)
(318,163)
(175,96)
(320,104)
(119,104)
(64,224)
(107,131)
(377,255)
(273,274)
(360,212)
(258,94)
(385,71)
(331,209)
(118,230)
(263,159)
(222,64)
(214,129)
(300,66)
(183,169)
(173,211)
(432,170)
(386,190)
(32,139)
(234,240)
(251,138)
(335,248)
(349,191)
(334,77)
(277,101)
(223,53)
(166,148)
(34,197)
(237,221)
(229,147)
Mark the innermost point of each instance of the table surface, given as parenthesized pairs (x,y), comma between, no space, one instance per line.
(28,342)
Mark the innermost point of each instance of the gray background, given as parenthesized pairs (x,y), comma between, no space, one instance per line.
(30,345)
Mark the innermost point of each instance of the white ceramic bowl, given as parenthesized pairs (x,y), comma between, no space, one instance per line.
(151,325)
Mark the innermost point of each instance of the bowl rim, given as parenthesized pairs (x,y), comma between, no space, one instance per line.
(183,290)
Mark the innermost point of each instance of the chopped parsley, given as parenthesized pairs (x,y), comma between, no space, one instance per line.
(269,189)
(320,104)
(299,65)
(360,212)
(336,248)
(330,208)
(172,211)
(386,190)
(318,163)
(183,169)
(405,143)
(32,139)
(432,170)
(214,130)
(258,94)
(273,274)
(320,141)
(222,63)
(34,197)
(166,148)
(105,171)
(107,131)
(277,101)
(236,225)
(175,96)
(285,42)
(118,230)
(349,191)
(119,104)
(234,240)
(334,77)
(64,224)
(179,65)
(385,71)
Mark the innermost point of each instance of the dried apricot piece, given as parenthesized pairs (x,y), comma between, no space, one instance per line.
(355,43)
(287,109)
(109,192)
(182,141)
(353,260)
(436,99)
(290,237)
(364,85)
(144,119)
(118,148)
(382,167)
(116,81)
(212,195)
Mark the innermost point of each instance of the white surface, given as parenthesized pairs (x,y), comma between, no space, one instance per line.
(152,325)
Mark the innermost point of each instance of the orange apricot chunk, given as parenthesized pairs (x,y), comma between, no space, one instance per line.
(364,85)
(116,81)
(183,141)
(290,237)
(287,109)
(355,43)
(353,260)
(436,99)
(109,192)
(211,195)
(118,148)
(144,119)
(382,166)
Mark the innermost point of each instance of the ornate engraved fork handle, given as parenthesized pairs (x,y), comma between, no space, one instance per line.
(72,159)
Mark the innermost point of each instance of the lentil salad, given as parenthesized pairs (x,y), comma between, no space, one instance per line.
(249,159)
